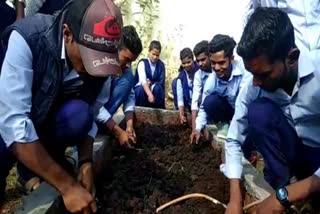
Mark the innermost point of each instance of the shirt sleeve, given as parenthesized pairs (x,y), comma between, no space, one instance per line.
(16,93)
(129,104)
(142,73)
(196,91)
(208,89)
(238,131)
(100,112)
(179,93)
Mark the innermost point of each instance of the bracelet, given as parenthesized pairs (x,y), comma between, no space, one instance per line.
(81,162)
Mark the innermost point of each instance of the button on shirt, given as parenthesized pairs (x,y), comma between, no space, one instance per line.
(301,110)
(16,93)
(200,78)
(304,15)
(180,90)
(227,89)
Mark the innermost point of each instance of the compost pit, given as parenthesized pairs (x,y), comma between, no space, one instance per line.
(162,167)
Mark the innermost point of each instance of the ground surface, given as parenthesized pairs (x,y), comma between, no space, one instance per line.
(163,168)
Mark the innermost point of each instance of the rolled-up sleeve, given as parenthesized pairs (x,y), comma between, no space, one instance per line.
(238,131)
(16,93)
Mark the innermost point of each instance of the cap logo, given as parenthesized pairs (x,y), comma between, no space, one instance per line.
(108,28)
(105,61)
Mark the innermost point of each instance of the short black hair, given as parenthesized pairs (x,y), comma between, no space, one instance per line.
(269,31)
(201,47)
(222,43)
(131,40)
(155,45)
(186,52)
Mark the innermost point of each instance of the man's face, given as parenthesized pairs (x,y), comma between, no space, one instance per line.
(266,75)
(221,65)
(187,64)
(126,57)
(204,62)
(154,55)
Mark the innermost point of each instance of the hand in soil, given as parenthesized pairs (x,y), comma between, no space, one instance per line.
(234,208)
(78,200)
(269,206)
(124,139)
(195,136)
(85,178)
(131,134)
(183,120)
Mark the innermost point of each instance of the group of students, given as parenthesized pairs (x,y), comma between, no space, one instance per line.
(208,87)
(65,75)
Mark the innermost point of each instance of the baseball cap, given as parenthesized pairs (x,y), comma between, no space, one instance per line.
(96,26)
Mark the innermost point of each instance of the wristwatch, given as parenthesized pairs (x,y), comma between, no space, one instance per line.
(282,196)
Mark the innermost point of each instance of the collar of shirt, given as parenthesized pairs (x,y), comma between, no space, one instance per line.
(236,71)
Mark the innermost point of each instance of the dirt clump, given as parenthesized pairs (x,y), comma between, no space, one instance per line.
(161,168)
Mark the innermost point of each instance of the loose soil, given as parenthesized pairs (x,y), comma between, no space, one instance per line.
(161,168)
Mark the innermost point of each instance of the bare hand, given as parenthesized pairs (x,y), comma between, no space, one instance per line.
(77,199)
(131,133)
(183,119)
(195,136)
(234,208)
(269,206)
(151,98)
(124,139)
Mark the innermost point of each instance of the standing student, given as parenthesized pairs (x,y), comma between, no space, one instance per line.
(150,79)
(182,86)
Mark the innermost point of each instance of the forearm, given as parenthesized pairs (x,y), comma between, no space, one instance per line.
(129,118)
(147,89)
(20,10)
(235,191)
(304,188)
(181,110)
(194,117)
(35,157)
(85,149)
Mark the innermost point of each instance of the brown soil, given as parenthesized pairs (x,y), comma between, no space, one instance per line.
(163,168)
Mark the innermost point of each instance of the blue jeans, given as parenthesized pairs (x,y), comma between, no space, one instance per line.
(284,153)
(67,126)
(120,90)
(217,108)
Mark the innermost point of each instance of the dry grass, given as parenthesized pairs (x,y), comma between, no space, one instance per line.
(13,197)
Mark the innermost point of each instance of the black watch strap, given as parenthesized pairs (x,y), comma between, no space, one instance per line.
(282,196)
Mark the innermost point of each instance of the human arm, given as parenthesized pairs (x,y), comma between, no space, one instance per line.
(20,9)
(236,136)
(297,191)
(17,128)
(195,97)
(146,84)
(128,109)
(180,102)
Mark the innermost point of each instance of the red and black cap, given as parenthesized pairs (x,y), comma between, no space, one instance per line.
(96,26)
